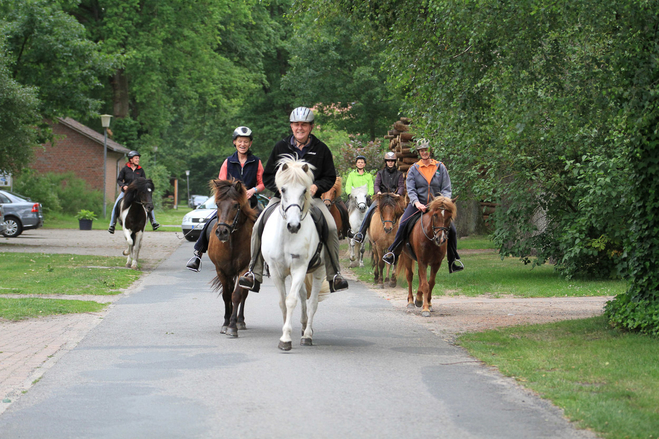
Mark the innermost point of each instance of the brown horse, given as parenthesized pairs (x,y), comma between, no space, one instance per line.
(428,241)
(229,249)
(336,206)
(381,232)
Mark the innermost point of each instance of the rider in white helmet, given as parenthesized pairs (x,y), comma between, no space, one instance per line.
(306,146)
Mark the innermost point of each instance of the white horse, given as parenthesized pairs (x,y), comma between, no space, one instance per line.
(357,206)
(290,242)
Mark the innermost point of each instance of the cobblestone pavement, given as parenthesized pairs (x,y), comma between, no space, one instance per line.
(29,348)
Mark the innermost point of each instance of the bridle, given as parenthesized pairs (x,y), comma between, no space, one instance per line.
(232,228)
(329,202)
(435,236)
(283,211)
(384,221)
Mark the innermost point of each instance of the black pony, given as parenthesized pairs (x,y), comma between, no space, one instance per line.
(133,216)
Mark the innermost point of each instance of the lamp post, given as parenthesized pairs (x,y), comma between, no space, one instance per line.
(187,178)
(105,121)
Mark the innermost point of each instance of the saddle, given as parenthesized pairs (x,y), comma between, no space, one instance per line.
(319,221)
(407,229)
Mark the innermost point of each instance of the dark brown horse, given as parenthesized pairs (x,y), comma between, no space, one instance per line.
(229,249)
(337,208)
(381,232)
(428,241)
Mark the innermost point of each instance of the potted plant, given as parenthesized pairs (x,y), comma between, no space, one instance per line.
(85,218)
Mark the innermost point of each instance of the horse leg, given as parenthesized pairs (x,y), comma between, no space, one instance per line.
(352,250)
(226,297)
(297,282)
(304,318)
(241,314)
(423,293)
(136,249)
(318,278)
(431,283)
(392,280)
(409,275)
(362,248)
(236,298)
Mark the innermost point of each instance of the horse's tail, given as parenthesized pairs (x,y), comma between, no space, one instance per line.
(324,288)
(216,285)
(404,261)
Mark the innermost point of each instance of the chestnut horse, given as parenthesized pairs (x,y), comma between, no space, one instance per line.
(428,241)
(229,249)
(381,232)
(336,207)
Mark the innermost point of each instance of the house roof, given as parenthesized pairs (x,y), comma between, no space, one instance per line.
(92,134)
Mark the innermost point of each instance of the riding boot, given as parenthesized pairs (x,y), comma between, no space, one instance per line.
(194,264)
(154,223)
(359,236)
(454,262)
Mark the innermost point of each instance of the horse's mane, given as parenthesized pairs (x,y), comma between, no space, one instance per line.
(232,190)
(137,186)
(338,187)
(292,171)
(388,199)
(444,203)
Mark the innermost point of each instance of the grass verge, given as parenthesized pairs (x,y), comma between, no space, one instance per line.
(487,273)
(39,273)
(604,379)
(20,309)
(166,217)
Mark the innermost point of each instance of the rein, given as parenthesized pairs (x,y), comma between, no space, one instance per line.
(283,211)
(435,238)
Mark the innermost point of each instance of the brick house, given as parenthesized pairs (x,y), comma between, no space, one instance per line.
(79,148)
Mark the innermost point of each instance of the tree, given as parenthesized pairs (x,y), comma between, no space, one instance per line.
(336,65)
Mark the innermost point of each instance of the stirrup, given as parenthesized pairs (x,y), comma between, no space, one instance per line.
(453,267)
(358,238)
(389,258)
(155,226)
(249,281)
(194,264)
(338,283)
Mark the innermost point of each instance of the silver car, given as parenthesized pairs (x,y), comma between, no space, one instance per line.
(20,213)
(2,222)
(193,222)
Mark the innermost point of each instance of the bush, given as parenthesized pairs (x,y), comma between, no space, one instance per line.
(633,315)
(59,193)
(345,160)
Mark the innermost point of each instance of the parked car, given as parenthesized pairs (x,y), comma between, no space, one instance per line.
(193,222)
(197,200)
(2,221)
(20,213)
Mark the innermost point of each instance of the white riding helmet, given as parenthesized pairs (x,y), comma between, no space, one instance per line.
(302,114)
(390,155)
(242,132)
(422,144)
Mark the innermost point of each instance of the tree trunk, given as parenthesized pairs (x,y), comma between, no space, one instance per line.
(120,98)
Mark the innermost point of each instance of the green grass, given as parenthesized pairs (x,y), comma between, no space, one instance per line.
(166,217)
(39,273)
(487,273)
(20,309)
(475,242)
(604,379)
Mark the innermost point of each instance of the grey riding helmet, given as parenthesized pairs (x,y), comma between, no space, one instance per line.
(242,132)
(302,114)
(133,154)
(389,155)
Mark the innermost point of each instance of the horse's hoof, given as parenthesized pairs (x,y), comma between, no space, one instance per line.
(425,314)
(232,332)
(410,306)
(127,265)
(241,325)
(223,330)
(418,303)
(393,284)
(306,342)
(285,345)
(382,286)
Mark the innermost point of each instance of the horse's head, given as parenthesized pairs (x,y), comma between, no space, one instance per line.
(358,198)
(140,191)
(293,180)
(231,200)
(442,211)
(331,195)
(391,207)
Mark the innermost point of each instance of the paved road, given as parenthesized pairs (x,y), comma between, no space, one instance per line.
(157,366)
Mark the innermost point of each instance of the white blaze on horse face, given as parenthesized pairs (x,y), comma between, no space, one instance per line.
(292,203)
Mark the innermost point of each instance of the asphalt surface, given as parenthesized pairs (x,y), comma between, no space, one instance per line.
(158,367)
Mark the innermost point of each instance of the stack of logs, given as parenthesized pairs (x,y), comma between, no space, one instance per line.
(401,142)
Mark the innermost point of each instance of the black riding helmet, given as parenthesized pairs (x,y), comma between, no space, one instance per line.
(360,157)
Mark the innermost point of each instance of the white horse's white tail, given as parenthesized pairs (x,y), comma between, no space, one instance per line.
(324,292)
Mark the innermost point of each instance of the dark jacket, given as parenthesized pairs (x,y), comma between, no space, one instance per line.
(390,181)
(247,174)
(127,175)
(316,154)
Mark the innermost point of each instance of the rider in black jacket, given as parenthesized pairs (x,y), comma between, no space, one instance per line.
(126,176)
